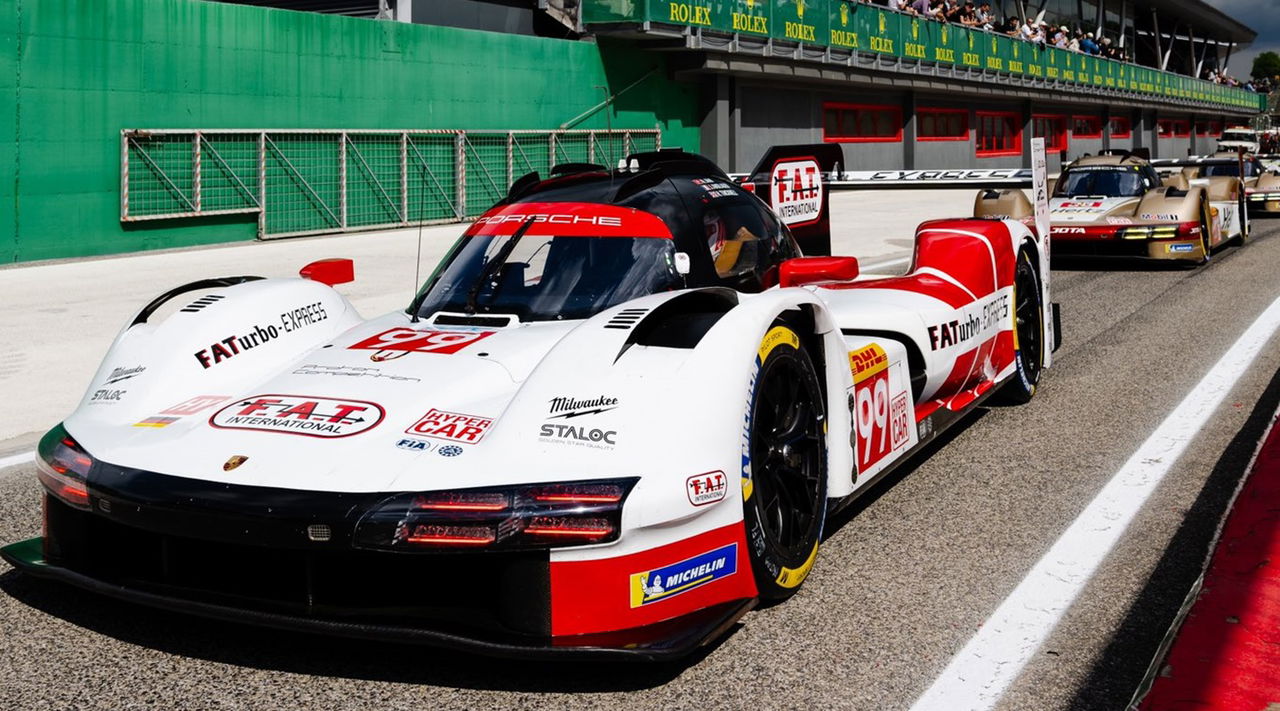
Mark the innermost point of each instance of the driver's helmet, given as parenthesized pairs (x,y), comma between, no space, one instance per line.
(715,231)
(734,255)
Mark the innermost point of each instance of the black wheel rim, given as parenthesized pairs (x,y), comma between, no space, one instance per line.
(786,447)
(1027,312)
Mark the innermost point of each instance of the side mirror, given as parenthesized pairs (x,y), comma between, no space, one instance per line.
(330,271)
(814,270)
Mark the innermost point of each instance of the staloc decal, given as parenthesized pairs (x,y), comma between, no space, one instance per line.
(581,436)
(655,585)
(306,415)
(107,396)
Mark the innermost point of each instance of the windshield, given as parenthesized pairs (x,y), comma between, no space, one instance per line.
(1236,136)
(1251,169)
(544,278)
(1108,182)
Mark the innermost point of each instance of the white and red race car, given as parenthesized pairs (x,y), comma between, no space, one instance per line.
(616,416)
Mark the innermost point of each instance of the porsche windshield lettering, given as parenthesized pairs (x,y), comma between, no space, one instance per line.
(552,219)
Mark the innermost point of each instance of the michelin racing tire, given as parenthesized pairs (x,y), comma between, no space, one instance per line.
(784,465)
(1028,335)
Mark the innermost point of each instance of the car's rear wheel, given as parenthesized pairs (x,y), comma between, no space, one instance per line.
(784,468)
(1028,334)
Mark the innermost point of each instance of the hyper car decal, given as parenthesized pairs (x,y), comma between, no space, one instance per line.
(451,426)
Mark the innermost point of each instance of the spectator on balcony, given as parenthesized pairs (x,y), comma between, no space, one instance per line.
(919,7)
(1088,46)
(1011,26)
(952,11)
(986,20)
(1027,31)
(969,15)
(900,5)
(1060,38)
(1074,44)
(1042,33)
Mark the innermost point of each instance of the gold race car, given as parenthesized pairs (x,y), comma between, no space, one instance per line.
(1116,204)
(1261,185)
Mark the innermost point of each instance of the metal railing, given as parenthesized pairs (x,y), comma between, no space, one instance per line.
(302,182)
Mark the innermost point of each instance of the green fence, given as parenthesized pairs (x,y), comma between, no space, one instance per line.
(75,73)
(308,182)
(845,24)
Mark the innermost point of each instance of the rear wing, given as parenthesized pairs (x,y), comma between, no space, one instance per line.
(794,182)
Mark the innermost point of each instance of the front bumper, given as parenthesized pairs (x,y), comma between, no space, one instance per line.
(243,554)
(1107,243)
(1263,202)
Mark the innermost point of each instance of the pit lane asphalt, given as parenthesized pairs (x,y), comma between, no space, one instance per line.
(903,580)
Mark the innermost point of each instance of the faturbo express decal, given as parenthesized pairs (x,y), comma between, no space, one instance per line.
(258,335)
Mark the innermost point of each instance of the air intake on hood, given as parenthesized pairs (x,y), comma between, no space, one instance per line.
(626,318)
(447,319)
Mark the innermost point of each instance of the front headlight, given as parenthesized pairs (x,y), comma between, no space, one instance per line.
(62,466)
(1161,232)
(513,517)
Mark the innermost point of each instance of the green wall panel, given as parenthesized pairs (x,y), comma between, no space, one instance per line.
(89,68)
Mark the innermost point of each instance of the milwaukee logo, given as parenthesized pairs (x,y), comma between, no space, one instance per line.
(566,407)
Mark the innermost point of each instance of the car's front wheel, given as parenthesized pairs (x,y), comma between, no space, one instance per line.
(784,466)
(1028,334)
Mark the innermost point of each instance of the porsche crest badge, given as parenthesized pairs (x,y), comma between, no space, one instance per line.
(234,462)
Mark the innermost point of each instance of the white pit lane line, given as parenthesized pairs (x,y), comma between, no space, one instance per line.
(16,459)
(984,669)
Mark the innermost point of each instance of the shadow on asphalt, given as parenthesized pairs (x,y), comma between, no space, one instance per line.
(1115,675)
(1118,264)
(300,653)
(878,489)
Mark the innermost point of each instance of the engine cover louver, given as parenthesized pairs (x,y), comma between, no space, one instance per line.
(202,302)
(626,319)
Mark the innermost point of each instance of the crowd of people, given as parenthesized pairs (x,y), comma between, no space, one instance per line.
(1265,85)
(981,16)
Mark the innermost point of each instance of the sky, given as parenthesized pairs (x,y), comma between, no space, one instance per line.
(1264,17)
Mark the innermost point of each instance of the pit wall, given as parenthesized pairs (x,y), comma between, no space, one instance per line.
(74,73)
